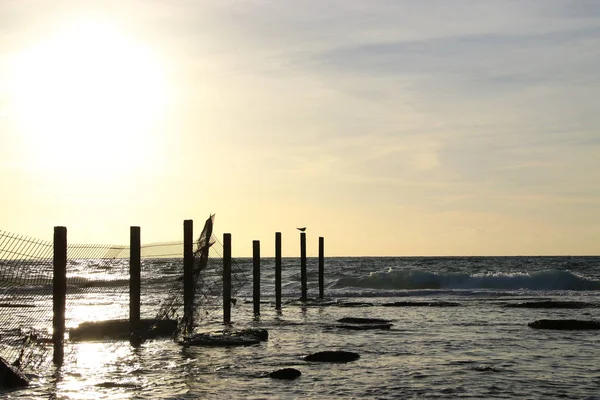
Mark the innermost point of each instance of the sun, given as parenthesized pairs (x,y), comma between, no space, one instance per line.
(88,99)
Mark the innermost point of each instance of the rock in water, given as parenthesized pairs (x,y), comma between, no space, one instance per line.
(564,324)
(285,373)
(332,356)
(11,377)
(364,327)
(354,320)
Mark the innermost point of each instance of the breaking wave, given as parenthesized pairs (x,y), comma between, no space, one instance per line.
(418,279)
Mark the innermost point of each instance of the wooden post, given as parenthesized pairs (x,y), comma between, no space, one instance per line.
(227,278)
(59,293)
(188,273)
(278,270)
(256,276)
(321,267)
(134,279)
(303,297)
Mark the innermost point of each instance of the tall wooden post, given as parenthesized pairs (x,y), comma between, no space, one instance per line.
(303,280)
(134,278)
(321,267)
(256,275)
(278,270)
(59,293)
(227,278)
(188,273)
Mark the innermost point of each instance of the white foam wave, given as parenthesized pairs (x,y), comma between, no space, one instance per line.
(418,279)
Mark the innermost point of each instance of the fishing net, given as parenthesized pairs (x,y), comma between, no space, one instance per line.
(206,304)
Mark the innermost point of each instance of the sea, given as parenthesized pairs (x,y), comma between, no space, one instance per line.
(459,330)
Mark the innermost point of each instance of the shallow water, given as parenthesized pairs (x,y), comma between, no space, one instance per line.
(479,349)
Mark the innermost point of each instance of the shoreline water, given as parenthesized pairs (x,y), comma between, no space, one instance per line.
(478,349)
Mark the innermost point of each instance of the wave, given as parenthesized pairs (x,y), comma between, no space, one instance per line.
(418,279)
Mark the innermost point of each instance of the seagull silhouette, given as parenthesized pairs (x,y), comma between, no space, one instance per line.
(301,229)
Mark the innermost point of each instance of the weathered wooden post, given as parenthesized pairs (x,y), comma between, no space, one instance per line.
(303,282)
(134,280)
(59,293)
(227,278)
(278,270)
(321,267)
(256,276)
(188,273)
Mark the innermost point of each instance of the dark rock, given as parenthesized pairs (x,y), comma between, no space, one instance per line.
(421,304)
(332,356)
(11,377)
(365,327)
(564,324)
(119,329)
(254,333)
(285,373)
(353,320)
(551,304)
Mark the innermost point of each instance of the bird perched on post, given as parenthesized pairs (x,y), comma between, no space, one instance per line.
(301,229)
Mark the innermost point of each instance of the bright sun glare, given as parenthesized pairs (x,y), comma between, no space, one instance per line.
(88,99)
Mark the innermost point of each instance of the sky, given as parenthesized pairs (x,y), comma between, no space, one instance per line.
(464,127)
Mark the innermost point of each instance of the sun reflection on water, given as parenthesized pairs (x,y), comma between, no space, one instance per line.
(99,370)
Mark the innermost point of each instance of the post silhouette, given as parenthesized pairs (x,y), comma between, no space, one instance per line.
(188,273)
(59,293)
(303,280)
(256,276)
(278,270)
(134,278)
(227,278)
(321,267)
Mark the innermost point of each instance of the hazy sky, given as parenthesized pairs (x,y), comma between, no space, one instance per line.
(388,127)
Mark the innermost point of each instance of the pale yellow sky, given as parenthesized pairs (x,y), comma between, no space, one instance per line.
(389,128)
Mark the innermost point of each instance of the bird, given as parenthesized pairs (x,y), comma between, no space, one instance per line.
(301,229)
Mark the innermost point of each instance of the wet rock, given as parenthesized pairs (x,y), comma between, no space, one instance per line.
(365,327)
(551,304)
(564,324)
(421,304)
(353,320)
(285,373)
(332,356)
(119,329)
(253,333)
(11,377)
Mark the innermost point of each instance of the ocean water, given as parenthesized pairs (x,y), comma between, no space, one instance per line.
(478,348)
